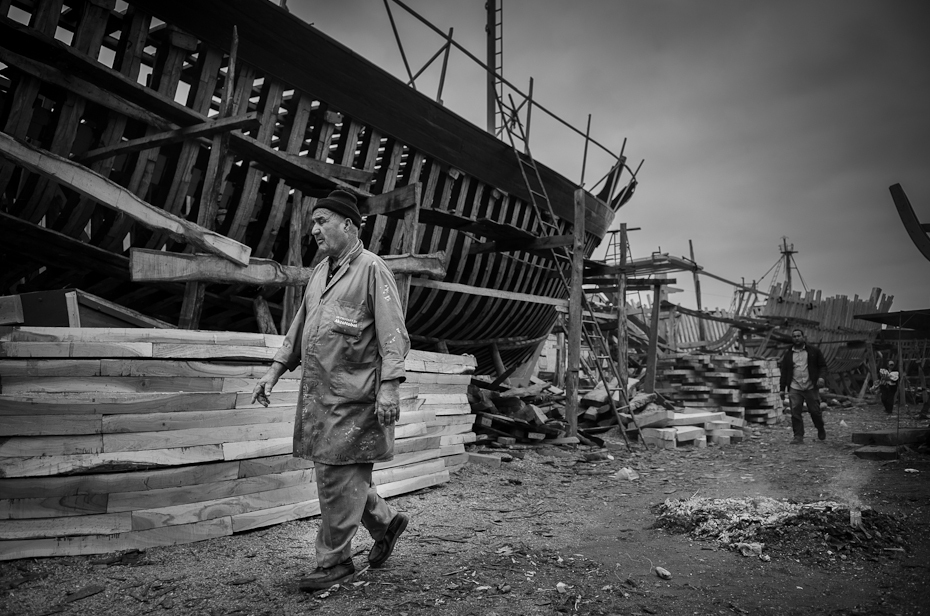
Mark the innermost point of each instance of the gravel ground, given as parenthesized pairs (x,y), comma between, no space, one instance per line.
(550,532)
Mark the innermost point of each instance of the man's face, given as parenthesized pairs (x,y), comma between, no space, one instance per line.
(797,338)
(330,232)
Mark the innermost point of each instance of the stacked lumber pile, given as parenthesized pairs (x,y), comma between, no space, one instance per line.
(116,439)
(737,386)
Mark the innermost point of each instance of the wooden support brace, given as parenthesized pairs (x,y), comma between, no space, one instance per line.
(112,195)
(159,266)
(539,244)
(205,129)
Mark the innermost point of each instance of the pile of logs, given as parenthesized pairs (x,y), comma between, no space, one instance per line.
(116,439)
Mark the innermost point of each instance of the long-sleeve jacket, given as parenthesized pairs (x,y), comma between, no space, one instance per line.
(349,336)
(816,366)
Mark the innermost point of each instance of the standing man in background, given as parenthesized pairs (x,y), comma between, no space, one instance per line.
(888,386)
(802,369)
(350,339)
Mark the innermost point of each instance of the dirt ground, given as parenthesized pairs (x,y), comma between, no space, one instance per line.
(550,532)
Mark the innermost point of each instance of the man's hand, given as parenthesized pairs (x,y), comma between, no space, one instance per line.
(820,383)
(265,384)
(387,406)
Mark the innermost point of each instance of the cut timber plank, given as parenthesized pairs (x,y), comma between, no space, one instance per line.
(170,497)
(49,425)
(104,524)
(191,437)
(257,449)
(109,385)
(156,422)
(132,334)
(113,404)
(688,433)
(694,419)
(75,349)
(25,446)
(112,195)
(222,507)
(662,434)
(103,544)
(89,486)
(33,466)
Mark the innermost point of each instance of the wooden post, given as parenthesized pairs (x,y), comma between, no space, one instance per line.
(622,323)
(672,330)
(294,295)
(574,317)
(559,379)
(902,384)
(697,295)
(263,316)
(649,380)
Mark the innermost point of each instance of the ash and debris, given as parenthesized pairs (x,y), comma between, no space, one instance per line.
(750,525)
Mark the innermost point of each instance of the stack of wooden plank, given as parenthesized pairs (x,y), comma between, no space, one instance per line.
(116,439)
(738,386)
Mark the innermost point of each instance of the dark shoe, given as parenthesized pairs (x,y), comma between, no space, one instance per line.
(382,549)
(798,440)
(324,577)
(822,434)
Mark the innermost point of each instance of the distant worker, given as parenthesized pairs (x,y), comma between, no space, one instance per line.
(350,339)
(888,386)
(802,370)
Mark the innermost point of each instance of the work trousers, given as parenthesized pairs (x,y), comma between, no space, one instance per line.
(347,497)
(798,400)
(888,395)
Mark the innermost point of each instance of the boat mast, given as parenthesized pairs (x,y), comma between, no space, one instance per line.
(786,252)
(495,50)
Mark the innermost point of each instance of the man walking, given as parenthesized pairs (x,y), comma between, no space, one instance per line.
(350,339)
(802,370)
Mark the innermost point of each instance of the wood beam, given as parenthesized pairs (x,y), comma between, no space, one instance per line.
(473,290)
(204,129)
(159,266)
(538,244)
(392,203)
(112,195)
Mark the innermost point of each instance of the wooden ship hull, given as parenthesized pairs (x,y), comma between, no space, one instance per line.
(116,439)
(89,86)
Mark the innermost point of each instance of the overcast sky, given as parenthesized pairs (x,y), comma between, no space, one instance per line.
(757,120)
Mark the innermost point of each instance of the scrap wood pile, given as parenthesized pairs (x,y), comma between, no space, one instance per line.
(532,414)
(119,439)
(751,525)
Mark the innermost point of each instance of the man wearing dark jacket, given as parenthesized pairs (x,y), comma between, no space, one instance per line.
(802,371)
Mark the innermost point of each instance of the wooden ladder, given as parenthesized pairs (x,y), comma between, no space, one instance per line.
(605,368)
